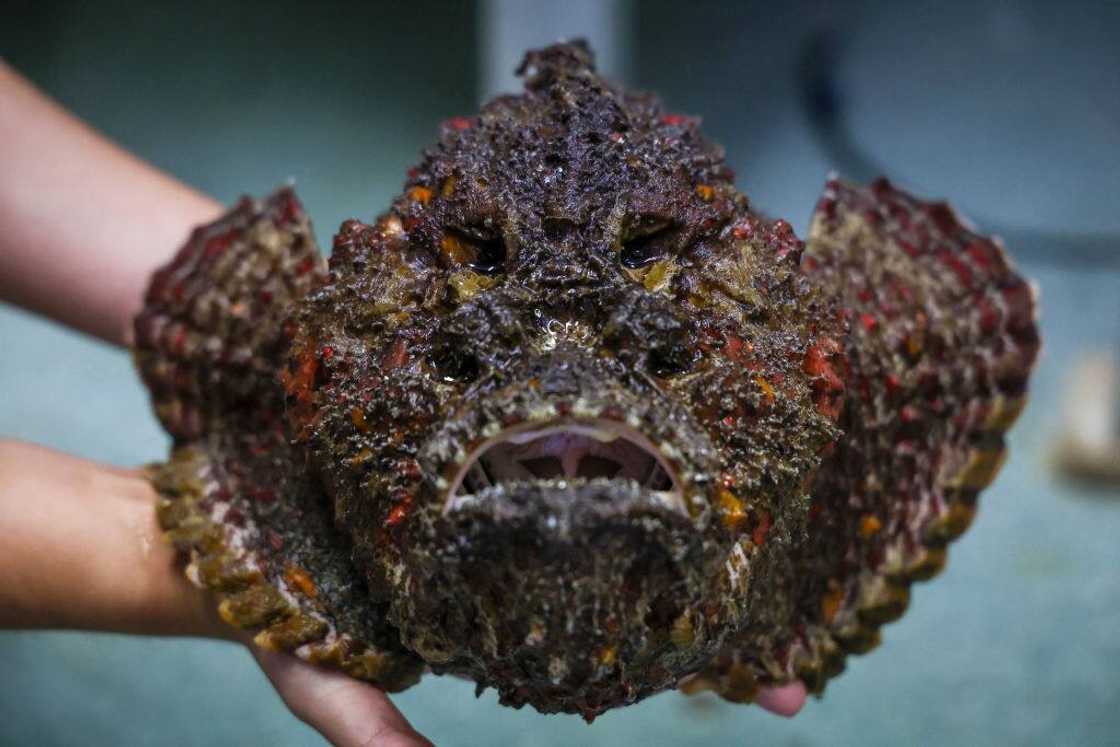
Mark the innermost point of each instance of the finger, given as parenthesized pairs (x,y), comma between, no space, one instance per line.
(784,700)
(349,713)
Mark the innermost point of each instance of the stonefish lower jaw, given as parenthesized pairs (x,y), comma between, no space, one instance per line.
(573,421)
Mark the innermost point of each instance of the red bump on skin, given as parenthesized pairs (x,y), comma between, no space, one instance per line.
(218,244)
(459,123)
(399,512)
(758,536)
(263,495)
(989,315)
(290,209)
(942,216)
(743,231)
(909,414)
(1017,300)
(986,255)
(397,355)
(893,385)
(954,263)
(817,364)
(820,362)
(673,120)
(180,342)
(909,248)
(737,349)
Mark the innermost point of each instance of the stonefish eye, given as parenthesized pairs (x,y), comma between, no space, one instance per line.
(455,365)
(479,250)
(671,358)
(646,240)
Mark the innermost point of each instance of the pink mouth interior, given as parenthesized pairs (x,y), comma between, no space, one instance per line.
(566,451)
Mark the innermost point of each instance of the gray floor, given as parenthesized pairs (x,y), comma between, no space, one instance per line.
(1016,643)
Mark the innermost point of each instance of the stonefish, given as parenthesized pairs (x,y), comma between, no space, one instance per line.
(571,420)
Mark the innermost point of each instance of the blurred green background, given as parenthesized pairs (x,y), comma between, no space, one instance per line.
(1011,109)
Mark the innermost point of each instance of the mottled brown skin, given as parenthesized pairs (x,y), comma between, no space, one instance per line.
(573,256)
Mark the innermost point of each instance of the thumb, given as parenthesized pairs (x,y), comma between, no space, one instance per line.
(348,712)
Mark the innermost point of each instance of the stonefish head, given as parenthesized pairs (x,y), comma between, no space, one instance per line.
(571,420)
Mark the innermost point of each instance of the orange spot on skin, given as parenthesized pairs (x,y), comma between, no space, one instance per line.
(914,345)
(358,418)
(820,363)
(706,192)
(607,655)
(448,187)
(732,511)
(363,455)
(830,603)
(869,526)
(423,195)
(300,382)
(455,250)
(767,390)
(758,536)
(298,579)
(743,231)
(399,512)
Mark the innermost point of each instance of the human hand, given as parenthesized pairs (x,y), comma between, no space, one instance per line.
(81,549)
(346,711)
(784,700)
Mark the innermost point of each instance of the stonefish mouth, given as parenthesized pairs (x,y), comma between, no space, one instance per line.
(567,452)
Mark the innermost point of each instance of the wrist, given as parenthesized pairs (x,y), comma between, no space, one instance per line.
(80,548)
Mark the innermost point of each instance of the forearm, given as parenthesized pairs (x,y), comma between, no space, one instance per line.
(82,222)
(79,548)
